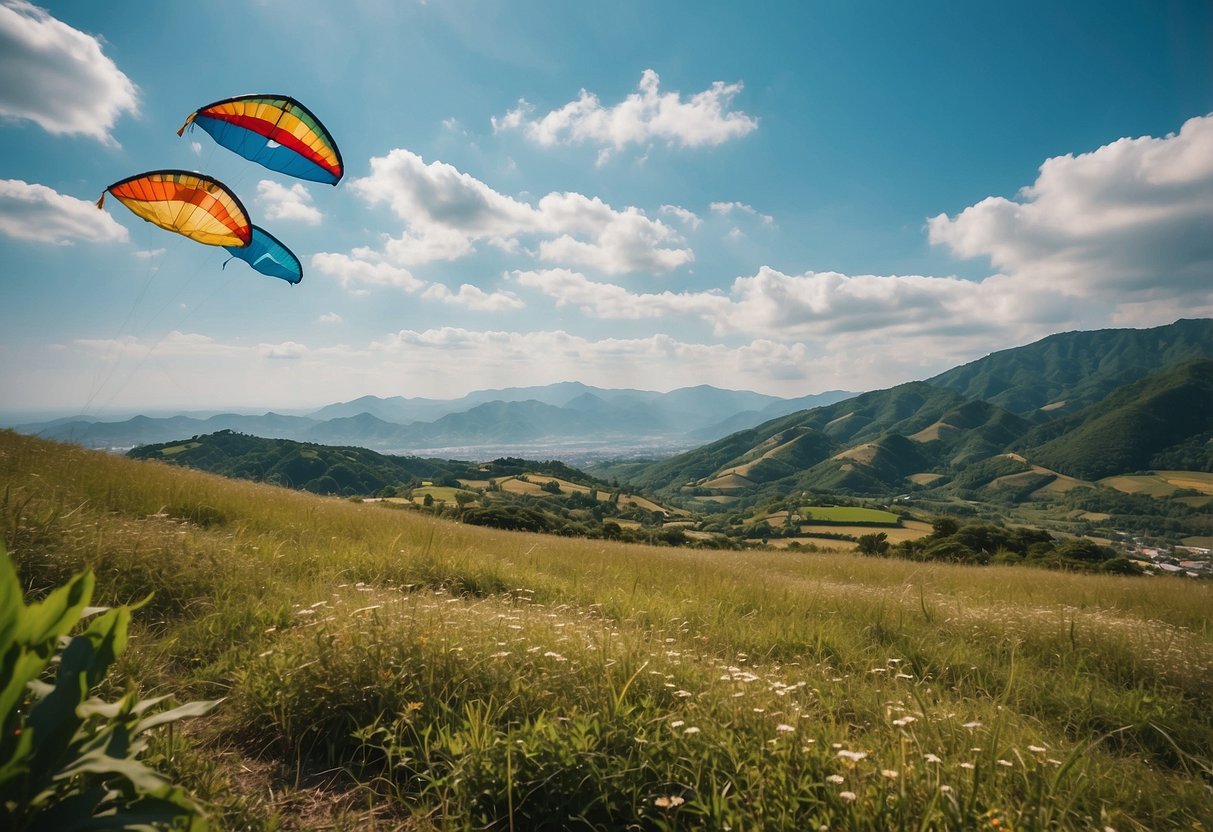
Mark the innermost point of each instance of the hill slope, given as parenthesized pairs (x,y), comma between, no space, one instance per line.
(1072,370)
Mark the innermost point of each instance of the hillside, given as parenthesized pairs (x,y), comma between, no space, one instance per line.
(1163,421)
(459,677)
(927,437)
(1064,373)
(867,444)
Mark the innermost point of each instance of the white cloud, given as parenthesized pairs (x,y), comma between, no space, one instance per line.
(41,214)
(606,300)
(644,116)
(725,208)
(473,297)
(283,203)
(57,76)
(149,254)
(687,217)
(354,274)
(1128,223)
(446,212)
(288,350)
(331,318)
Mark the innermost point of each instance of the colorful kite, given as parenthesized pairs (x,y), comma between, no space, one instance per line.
(191,204)
(269,256)
(274,131)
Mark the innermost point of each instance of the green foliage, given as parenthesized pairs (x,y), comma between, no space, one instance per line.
(69,761)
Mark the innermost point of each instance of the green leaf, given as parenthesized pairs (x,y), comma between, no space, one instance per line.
(11,601)
(190,709)
(56,614)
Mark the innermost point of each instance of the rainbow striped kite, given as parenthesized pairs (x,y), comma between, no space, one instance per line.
(191,204)
(274,131)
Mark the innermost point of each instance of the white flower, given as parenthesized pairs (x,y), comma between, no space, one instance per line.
(1037,749)
(1006,763)
(678,723)
(691,730)
(889,773)
(853,756)
(967,765)
(783,728)
(847,795)
(836,779)
(671,802)
(932,758)
(971,725)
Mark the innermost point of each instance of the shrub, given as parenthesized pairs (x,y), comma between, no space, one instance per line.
(68,761)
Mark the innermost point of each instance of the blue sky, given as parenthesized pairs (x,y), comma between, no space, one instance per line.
(788,198)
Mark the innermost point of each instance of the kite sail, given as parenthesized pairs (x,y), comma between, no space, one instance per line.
(191,204)
(274,131)
(269,256)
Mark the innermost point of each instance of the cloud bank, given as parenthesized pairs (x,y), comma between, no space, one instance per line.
(41,214)
(58,77)
(644,116)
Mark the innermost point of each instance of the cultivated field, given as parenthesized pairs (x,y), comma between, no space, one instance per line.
(387,670)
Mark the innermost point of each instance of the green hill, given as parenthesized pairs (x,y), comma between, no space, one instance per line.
(322,469)
(1162,421)
(1065,373)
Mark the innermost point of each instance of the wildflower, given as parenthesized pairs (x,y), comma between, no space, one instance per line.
(1037,749)
(678,723)
(682,694)
(784,728)
(836,779)
(889,773)
(760,710)
(691,730)
(671,802)
(969,766)
(1006,763)
(932,758)
(847,795)
(945,788)
(853,756)
(971,725)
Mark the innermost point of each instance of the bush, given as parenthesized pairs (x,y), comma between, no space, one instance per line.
(68,761)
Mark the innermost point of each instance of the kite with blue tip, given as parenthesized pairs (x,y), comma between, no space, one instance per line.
(268,255)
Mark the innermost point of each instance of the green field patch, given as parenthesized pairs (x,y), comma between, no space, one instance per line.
(176,449)
(439,492)
(1196,480)
(848,515)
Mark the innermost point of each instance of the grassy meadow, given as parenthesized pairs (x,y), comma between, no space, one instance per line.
(383,669)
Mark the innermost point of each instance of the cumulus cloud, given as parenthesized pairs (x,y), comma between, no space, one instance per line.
(820,305)
(331,318)
(606,300)
(473,297)
(283,203)
(446,212)
(1130,222)
(686,216)
(725,208)
(644,116)
(41,214)
(57,76)
(355,275)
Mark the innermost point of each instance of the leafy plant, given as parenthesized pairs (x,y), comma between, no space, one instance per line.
(68,760)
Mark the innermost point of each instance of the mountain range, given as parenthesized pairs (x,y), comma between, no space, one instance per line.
(1078,406)
(535,417)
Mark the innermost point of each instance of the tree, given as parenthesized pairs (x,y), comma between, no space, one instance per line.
(874,544)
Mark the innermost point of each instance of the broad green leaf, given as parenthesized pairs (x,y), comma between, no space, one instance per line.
(190,709)
(11,603)
(56,614)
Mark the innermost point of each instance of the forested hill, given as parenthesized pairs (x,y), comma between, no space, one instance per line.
(327,469)
(1067,372)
